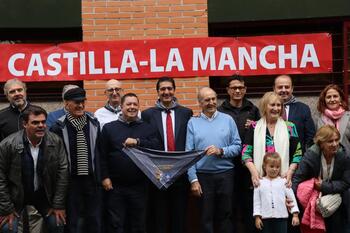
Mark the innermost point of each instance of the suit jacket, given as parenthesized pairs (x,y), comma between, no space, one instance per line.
(300,115)
(182,115)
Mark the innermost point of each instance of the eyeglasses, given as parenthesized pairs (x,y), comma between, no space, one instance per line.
(166,88)
(116,89)
(239,88)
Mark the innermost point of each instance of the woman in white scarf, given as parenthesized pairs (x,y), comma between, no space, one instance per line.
(271,134)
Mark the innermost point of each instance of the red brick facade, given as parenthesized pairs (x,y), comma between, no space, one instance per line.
(144,19)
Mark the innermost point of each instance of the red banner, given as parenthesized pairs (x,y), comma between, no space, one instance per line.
(213,56)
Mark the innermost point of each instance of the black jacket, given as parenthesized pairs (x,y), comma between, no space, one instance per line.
(240,115)
(54,176)
(115,164)
(310,166)
(10,121)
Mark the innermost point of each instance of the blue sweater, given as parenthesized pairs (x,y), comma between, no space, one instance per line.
(220,131)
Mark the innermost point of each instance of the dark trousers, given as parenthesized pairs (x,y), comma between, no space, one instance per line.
(169,207)
(216,201)
(83,206)
(126,208)
(336,222)
(275,225)
(242,203)
(346,201)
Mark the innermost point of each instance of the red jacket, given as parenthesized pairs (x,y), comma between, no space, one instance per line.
(312,221)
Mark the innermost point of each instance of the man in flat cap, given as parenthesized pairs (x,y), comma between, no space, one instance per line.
(52,117)
(80,132)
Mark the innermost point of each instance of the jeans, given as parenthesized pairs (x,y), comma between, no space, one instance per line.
(49,222)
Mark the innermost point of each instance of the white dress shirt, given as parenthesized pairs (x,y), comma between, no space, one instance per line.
(34,151)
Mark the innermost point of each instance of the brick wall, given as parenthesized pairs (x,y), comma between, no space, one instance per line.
(144,19)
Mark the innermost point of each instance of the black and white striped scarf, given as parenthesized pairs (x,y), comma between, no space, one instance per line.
(82,149)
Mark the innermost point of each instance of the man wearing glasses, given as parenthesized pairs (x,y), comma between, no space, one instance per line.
(241,110)
(111,111)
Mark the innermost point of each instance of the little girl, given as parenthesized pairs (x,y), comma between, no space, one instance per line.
(270,211)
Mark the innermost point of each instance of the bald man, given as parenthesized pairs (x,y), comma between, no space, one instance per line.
(295,111)
(111,111)
(211,178)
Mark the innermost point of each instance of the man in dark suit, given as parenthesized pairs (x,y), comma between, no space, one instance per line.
(170,119)
(295,111)
(298,113)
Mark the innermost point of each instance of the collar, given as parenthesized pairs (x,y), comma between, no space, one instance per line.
(173,105)
(291,100)
(122,119)
(37,145)
(209,118)
(26,140)
(111,109)
(16,108)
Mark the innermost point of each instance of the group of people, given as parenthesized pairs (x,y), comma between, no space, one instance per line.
(67,169)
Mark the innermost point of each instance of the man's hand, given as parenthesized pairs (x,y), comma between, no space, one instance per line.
(9,220)
(107,184)
(130,142)
(258,223)
(196,189)
(213,150)
(59,214)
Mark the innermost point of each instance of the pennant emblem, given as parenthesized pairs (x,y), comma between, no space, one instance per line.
(161,167)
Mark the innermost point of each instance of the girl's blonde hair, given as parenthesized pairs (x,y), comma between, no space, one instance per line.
(271,157)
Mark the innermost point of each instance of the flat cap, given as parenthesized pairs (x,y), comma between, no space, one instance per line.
(76,94)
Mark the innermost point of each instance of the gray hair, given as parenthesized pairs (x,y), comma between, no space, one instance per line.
(201,90)
(67,88)
(11,82)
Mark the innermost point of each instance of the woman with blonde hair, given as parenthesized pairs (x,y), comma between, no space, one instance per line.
(334,111)
(271,134)
(326,161)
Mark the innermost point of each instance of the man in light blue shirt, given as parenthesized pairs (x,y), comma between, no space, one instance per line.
(212,177)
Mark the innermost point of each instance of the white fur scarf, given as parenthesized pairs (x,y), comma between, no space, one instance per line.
(280,140)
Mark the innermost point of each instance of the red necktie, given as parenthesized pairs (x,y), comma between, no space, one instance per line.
(170,132)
